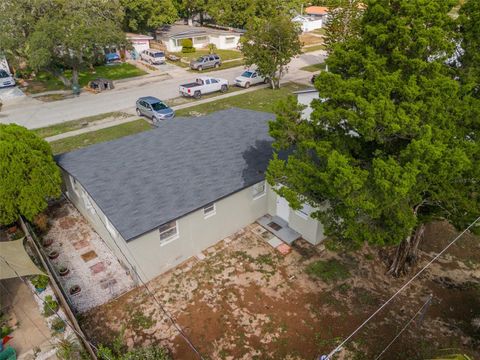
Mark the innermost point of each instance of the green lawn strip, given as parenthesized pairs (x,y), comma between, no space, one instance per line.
(313,48)
(314,67)
(76,124)
(320,31)
(260,100)
(224,54)
(94,137)
(46,82)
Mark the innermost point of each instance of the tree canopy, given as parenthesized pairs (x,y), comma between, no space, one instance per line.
(28,174)
(148,15)
(270,44)
(390,144)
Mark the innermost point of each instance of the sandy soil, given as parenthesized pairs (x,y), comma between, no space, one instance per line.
(246,301)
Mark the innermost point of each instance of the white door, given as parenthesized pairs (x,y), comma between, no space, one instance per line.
(283,210)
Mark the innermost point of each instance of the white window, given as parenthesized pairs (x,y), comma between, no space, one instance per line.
(259,190)
(305,211)
(177,42)
(209,210)
(200,40)
(230,40)
(168,232)
(110,228)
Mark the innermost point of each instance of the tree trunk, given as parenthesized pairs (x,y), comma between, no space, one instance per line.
(407,252)
(59,75)
(74,76)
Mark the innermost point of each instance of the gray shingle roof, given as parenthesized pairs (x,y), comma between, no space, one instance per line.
(145,180)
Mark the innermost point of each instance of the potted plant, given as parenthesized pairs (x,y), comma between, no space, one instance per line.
(40,282)
(63,270)
(58,325)
(50,306)
(75,289)
(53,254)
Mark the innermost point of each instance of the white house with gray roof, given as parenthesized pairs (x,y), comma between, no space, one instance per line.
(223,38)
(159,197)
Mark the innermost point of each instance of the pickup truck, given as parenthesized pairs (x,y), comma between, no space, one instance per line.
(203,85)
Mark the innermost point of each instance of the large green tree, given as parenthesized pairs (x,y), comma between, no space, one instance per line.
(270,44)
(148,15)
(28,174)
(391,144)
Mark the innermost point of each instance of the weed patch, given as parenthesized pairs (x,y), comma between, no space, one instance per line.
(328,271)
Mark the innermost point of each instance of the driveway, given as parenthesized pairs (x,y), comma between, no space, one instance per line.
(10,94)
(34,114)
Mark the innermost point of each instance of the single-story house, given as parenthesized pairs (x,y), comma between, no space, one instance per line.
(223,38)
(318,13)
(308,23)
(162,196)
(139,42)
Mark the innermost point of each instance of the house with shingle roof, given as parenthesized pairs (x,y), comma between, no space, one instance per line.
(162,196)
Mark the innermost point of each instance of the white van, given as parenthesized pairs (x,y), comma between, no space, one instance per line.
(153,57)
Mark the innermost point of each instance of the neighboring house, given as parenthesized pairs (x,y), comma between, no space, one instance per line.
(308,23)
(160,197)
(305,97)
(318,12)
(139,42)
(172,35)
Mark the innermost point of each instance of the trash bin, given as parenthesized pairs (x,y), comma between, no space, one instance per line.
(76,89)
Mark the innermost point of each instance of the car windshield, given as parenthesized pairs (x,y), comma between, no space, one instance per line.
(159,54)
(3,74)
(247,74)
(159,106)
(200,59)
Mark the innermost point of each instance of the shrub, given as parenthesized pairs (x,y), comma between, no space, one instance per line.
(58,325)
(187,46)
(70,349)
(212,48)
(41,222)
(40,281)
(148,353)
(328,271)
(50,306)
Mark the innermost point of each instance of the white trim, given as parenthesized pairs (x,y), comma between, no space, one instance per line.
(172,237)
(260,194)
(206,215)
(110,228)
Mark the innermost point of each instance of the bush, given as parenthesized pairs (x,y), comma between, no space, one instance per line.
(328,271)
(50,306)
(41,222)
(58,325)
(212,48)
(148,353)
(40,281)
(70,349)
(187,46)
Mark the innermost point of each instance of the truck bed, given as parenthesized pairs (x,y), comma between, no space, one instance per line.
(190,85)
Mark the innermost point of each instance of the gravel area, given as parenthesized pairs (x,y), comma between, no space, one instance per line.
(92,265)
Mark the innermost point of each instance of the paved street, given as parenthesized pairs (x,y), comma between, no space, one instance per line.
(33,113)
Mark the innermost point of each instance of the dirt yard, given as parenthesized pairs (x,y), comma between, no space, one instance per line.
(245,301)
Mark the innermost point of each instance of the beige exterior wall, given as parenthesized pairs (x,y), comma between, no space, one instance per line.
(311,229)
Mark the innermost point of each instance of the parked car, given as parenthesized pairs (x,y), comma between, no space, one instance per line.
(6,79)
(249,77)
(153,57)
(203,85)
(112,58)
(154,109)
(205,62)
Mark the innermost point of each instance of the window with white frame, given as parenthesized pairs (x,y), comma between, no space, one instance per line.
(230,40)
(209,210)
(110,228)
(259,189)
(177,42)
(168,232)
(200,40)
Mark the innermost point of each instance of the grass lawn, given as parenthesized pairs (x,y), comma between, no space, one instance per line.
(261,100)
(76,124)
(320,31)
(314,67)
(313,48)
(94,137)
(46,82)
(309,39)
(224,54)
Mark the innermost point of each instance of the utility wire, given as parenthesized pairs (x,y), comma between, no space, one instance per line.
(144,284)
(52,310)
(338,348)
(424,306)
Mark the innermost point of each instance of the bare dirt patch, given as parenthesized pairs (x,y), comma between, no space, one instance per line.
(246,301)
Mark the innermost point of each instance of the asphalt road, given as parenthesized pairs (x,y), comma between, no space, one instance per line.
(33,113)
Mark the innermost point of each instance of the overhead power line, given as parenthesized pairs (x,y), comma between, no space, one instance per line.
(339,347)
